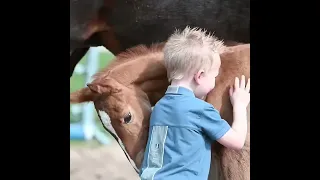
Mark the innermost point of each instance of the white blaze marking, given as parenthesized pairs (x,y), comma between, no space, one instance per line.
(105,118)
(107,122)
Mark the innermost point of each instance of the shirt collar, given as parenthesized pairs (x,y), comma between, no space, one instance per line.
(179,90)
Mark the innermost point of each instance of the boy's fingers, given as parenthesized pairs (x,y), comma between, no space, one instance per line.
(243,82)
(231,91)
(248,86)
(236,83)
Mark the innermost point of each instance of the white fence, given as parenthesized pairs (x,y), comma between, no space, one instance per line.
(87,129)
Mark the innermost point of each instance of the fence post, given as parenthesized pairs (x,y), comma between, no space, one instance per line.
(88,109)
(87,128)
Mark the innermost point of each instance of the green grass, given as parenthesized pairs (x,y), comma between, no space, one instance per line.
(78,81)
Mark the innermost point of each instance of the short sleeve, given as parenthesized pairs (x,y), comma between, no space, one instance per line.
(212,124)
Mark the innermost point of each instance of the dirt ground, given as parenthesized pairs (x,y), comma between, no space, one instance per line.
(90,161)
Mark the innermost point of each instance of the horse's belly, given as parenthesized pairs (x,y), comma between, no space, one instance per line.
(150,21)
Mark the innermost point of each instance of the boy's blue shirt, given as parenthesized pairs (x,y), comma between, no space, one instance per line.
(182,128)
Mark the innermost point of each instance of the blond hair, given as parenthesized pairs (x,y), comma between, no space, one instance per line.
(189,51)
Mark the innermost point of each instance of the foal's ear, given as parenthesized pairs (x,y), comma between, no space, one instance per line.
(96,88)
(108,86)
(82,95)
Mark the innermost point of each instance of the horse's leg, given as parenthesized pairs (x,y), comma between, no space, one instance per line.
(109,41)
(75,57)
(105,38)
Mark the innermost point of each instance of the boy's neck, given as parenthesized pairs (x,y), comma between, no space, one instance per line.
(183,83)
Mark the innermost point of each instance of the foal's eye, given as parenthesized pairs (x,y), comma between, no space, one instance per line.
(127,118)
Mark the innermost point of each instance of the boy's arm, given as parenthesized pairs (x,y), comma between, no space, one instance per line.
(218,129)
(212,124)
(236,137)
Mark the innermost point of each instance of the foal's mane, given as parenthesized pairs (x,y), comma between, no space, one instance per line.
(128,57)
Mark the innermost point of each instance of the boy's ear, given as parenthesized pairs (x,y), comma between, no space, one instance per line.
(198,75)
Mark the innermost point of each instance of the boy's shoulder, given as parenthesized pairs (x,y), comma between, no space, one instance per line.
(203,108)
(196,102)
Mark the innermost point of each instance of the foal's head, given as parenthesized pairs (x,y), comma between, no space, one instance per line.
(123,94)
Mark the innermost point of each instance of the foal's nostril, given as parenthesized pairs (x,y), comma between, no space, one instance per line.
(127,118)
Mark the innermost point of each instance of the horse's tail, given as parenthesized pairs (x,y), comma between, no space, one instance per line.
(82,95)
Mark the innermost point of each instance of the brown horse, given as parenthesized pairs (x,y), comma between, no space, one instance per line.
(121,24)
(124,92)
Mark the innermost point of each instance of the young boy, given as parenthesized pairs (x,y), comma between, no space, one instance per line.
(182,126)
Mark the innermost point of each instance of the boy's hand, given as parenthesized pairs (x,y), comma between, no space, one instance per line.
(240,93)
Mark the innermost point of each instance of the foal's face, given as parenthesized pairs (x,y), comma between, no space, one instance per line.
(125,111)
